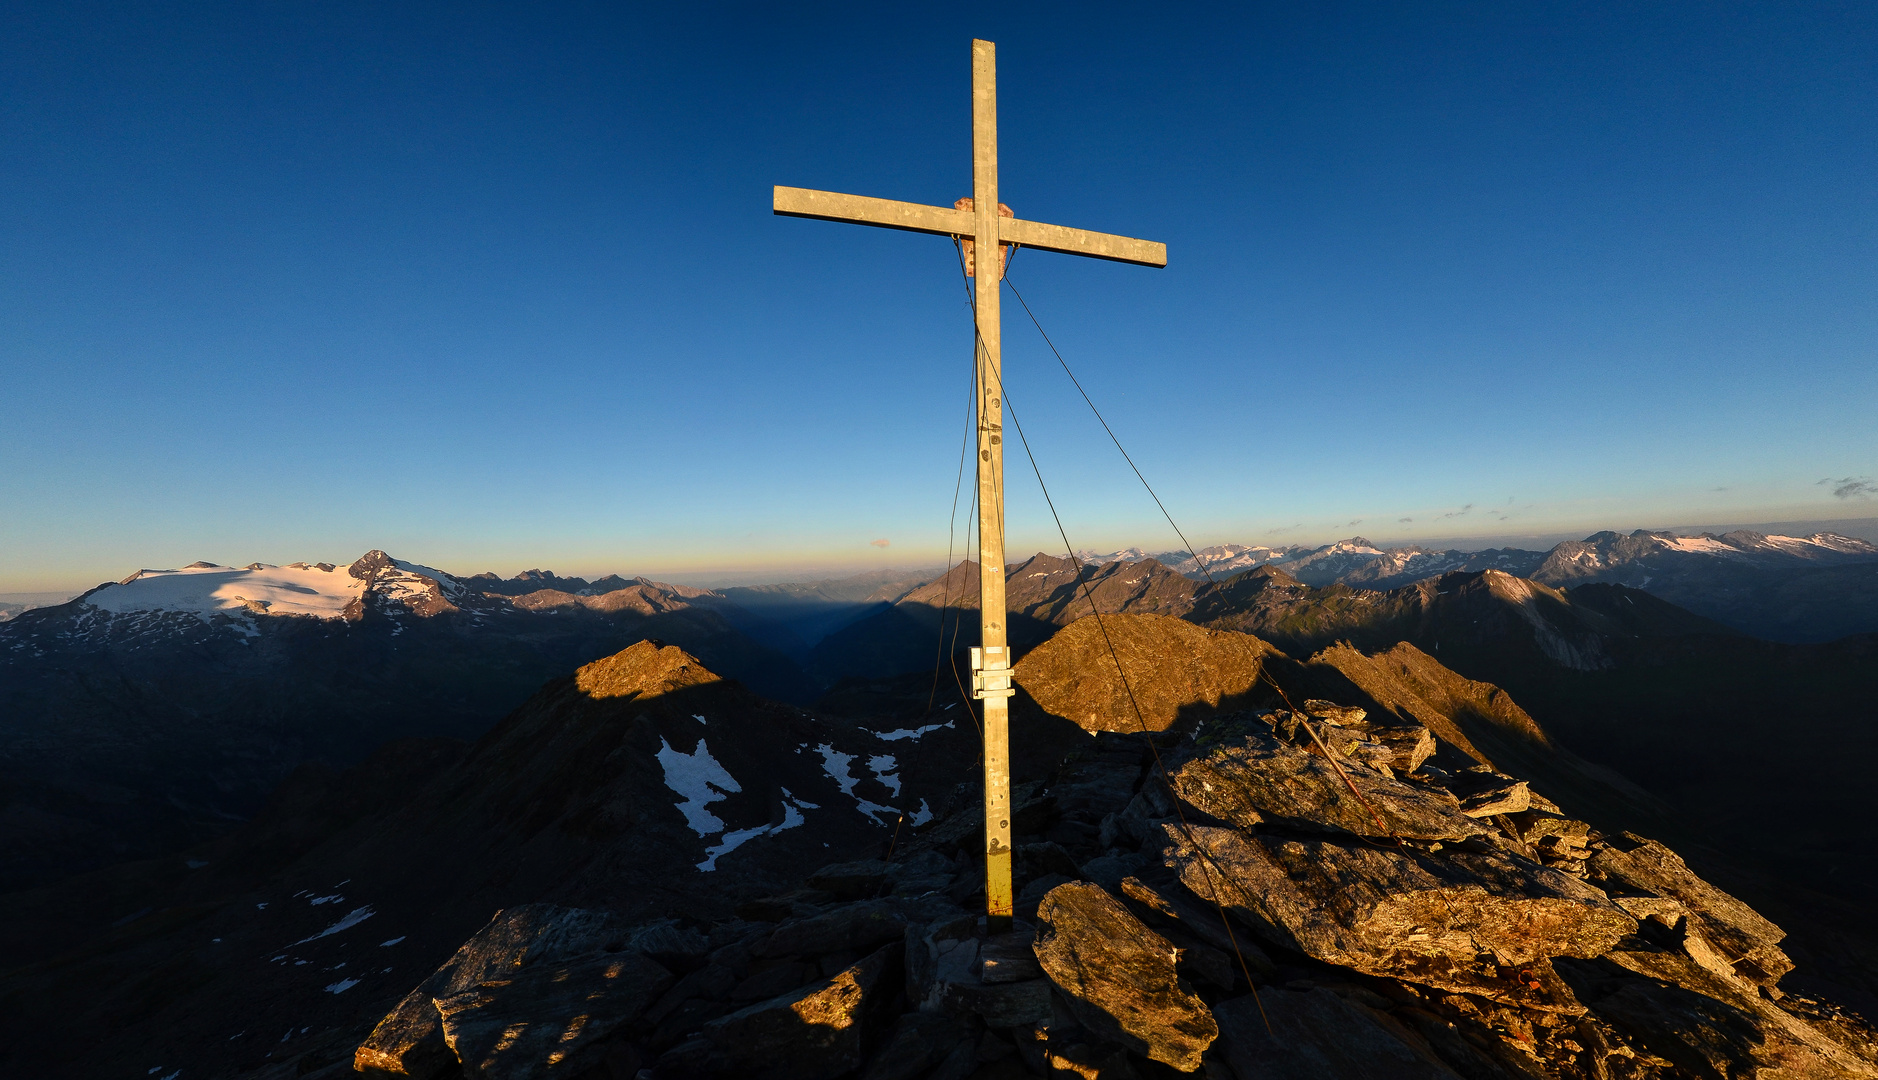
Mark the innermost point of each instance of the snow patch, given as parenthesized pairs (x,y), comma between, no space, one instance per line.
(910,733)
(700,780)
(731,841)
(835,764)
(341,986)
(884,771)
(352,918)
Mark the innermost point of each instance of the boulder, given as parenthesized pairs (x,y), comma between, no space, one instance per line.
(1411,745)
(998,1005)
(814,1033)
(1173,908)
(917,1042)
(1475,922)
(849,928)
(1709,1025)
(1485,793)
(1243,773)
(1630,864)
(1008,958)
(1119,977)
(852,880)
(409,1042)
(545,1020)
(1316,1035)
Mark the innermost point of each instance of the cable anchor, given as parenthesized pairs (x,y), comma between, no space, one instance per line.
(991,672)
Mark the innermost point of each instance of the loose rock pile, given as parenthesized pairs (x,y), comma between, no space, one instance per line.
(1275,895)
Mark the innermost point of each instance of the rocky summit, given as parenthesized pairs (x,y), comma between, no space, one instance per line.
(1300,892)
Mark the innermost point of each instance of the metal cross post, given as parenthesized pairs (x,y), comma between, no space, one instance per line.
(981,224)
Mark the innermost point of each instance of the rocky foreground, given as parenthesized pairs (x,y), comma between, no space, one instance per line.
(1274,894)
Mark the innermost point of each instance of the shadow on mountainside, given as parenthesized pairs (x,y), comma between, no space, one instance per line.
(573,798)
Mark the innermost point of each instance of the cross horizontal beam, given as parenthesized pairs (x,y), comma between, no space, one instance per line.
(945,221)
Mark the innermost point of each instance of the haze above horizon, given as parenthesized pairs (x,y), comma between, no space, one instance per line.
(500,287)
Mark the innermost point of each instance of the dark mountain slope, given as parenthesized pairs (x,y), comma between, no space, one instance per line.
(127,733)
(643,783)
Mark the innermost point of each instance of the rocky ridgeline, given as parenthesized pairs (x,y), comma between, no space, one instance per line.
(1279,894)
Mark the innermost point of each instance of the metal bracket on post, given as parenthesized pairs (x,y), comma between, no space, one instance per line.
(991,673)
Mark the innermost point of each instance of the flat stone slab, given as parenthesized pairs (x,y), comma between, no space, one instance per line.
(1245,774)
(1482,923)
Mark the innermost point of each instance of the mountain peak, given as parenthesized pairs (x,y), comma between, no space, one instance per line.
(648,669)
(370,563)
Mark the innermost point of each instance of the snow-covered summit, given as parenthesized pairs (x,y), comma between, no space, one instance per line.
(319,590)
(1132,554)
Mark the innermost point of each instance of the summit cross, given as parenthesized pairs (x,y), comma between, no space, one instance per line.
(980,224)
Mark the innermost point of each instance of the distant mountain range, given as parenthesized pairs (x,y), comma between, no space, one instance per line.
(150,712)
(1782,588)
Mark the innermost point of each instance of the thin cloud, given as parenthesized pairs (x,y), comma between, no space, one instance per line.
(1852,487)
(1358,521)
(877,543)
(1403,521)
(1462,512)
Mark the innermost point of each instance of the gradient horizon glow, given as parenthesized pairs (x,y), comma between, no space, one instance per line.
(498,287)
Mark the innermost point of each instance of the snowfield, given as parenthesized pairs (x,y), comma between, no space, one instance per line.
(321,591)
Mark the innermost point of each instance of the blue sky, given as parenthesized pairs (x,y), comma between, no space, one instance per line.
(494,287)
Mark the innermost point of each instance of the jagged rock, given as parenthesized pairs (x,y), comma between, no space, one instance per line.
(853,880)
(1081,1061)
(1109,870)
(1119,976)
(1412,745)
(917,1042)
(409,1041)
(1509,798)
(1003,1005)
(1341,715)
(852,927)
(1171,908)
(1483,792)
(1535,826)
(1034,891)
(1141,818)
(1244,774)
(665,941)
(1317,1035)
(1632,864)
(815,1033)
(543,1021)
(1710,1025)
(1359,748)
(770,982)
(712,982)
(1475,922)
(1008,958)
(1047,858)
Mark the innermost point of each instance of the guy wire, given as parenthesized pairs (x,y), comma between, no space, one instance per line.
(1140,721)
(1375,815)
